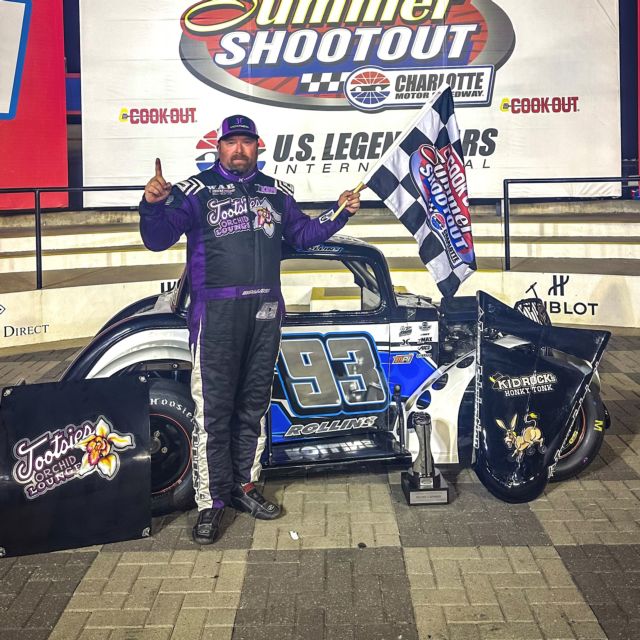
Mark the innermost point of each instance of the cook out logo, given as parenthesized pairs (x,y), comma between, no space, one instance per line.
(440,178)
(344,54)
(52,459)
(207,150)
(543,104)
(157,115)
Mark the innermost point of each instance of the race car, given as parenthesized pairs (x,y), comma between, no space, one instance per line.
(505,392)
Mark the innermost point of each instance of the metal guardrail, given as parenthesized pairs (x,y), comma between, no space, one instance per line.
(38,212)
(507,207)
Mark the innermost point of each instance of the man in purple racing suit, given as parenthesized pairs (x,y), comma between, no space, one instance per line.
(235,219)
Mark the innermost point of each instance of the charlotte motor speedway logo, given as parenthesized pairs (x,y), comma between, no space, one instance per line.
(345,54)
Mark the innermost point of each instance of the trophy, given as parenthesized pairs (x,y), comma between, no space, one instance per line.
(424,484)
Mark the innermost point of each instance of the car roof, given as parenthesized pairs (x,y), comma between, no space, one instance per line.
(338,245)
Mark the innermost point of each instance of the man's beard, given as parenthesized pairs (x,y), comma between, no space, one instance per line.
(245,168)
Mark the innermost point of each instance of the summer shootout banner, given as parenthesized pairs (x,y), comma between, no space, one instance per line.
(330,84)
(33,125)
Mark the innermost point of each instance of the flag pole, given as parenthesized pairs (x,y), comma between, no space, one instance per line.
(359,188)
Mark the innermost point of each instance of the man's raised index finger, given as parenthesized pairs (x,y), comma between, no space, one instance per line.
(158,168)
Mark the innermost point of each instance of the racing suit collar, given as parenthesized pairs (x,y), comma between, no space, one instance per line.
(228,175)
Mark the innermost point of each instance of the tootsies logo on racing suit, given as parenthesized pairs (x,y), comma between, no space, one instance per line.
(230,216)
(344,54)
(440,178)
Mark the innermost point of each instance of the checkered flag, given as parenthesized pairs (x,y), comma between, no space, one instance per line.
(421,178)
(322,82)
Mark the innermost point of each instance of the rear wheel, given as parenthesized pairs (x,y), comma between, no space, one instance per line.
(585,439)
(171,422)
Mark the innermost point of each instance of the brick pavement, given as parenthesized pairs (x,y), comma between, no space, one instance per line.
(365,566)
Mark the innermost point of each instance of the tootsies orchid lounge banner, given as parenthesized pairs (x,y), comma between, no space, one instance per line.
(330,83)
(33,124)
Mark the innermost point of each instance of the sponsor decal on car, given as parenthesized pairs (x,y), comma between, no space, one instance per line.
(321,248)
(347,54)
(403,358)
(324,450)
(522,385)
(313,428)
(528,440)
(168,285)
(406,330)
(52,459)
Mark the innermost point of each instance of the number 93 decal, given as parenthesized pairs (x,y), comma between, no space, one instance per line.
(332,374)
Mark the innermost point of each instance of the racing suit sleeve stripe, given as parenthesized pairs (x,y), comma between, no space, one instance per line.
(161,226)
(301,231)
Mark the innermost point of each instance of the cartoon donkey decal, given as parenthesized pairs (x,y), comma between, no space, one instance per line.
(527,440)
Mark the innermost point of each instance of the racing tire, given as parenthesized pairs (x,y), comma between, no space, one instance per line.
(171,421)
(585,439)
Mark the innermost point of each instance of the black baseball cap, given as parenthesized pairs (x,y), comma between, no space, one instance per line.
(237,125)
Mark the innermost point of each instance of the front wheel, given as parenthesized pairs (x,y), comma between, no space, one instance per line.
(584,440)
(171,422)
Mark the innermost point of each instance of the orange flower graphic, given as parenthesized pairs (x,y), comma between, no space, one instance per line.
(101,450)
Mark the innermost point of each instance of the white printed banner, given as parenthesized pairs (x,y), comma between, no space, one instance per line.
(14,17)
(330,83)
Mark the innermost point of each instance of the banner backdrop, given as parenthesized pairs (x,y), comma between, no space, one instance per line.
(330,83)
(33,124)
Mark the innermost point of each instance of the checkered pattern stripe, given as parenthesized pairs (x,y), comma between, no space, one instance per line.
(285,187)
(327,82)
(391,180)
(190,186)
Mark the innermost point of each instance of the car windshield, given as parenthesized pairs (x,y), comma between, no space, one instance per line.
(328,284)
(314,285)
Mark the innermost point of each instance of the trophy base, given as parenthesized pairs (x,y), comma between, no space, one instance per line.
(416,491)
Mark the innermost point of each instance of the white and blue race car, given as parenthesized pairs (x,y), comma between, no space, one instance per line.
(512,396)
